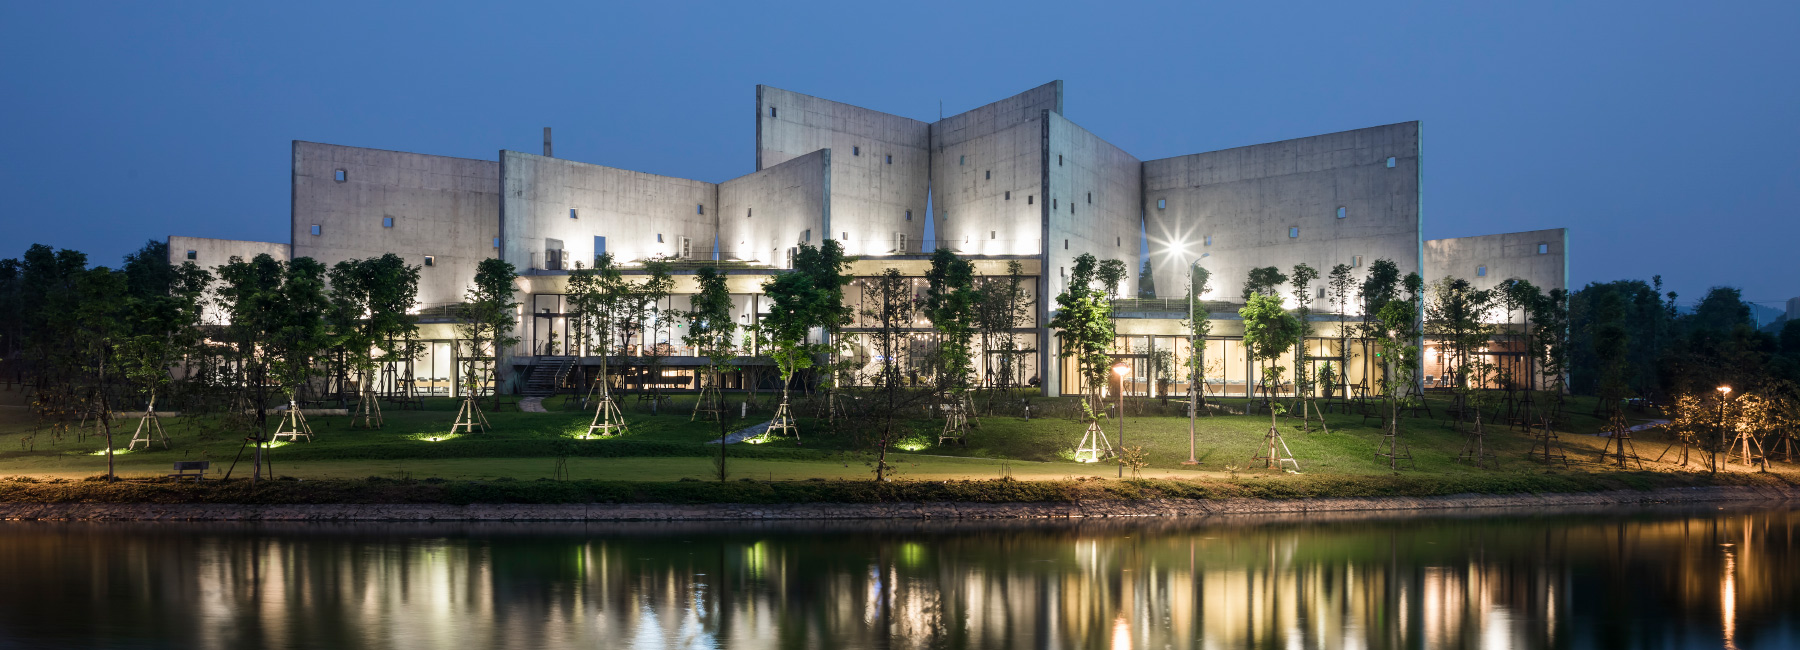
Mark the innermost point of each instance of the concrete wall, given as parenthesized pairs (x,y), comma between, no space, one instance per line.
(1248,198)
(441,206)
(764,214)
(880,165)
(1510,255)
(987,175)
(632,210)
(210,254)
(1095,207)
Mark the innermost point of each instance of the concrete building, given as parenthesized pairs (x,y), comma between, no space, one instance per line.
(1014,181)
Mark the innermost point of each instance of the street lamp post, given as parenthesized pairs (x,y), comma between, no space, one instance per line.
(1121,369)
(1724,394)
(1193,368)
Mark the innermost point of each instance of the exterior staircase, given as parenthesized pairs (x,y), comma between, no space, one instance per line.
(547,375)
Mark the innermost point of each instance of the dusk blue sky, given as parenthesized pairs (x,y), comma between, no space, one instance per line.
(1664,135)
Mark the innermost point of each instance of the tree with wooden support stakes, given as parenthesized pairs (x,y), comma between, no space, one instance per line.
(166,319)
(368,316)
(1002,305)
(950,300)
(297,340)
(1265,281)
(1455,318)
(1270,332)
(1340,284)
(1301,280)
(1084,330)
(486,325)
(712,333)
(1396,330)
(1198,326)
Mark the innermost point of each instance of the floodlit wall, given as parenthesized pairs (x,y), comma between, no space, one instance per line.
(1537,256)
(210,254)
(880,165)
(987,175)
(640,215)
(1095,203)
(412,205)
(764,214)
(1248,199)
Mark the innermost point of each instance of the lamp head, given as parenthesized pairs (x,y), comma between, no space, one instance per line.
(1725,389)
(1121,369)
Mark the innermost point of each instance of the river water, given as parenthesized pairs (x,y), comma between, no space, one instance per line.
(1614,578)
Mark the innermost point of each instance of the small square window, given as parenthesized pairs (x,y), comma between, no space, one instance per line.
(496,242)
(700,208)
(574,214)
(193,255)
(1390,162)
(962,160)
(340,175)
(1481,271)
(1008,196)
(890,159)
(1342,212)
(1543,249)
(990,175)
(1090,197)
(993,234)
(748,212)
(1293,232)
(315,229)
(771,111)
(1030,198)
(1065,244)
(659,238)
(1053,203)
(806,236)
(430,261)
(387,222)
(1118,241)
(1321,295)
(1059,160)
(909,215)
(1162,204)
(1356,261)
(1207,241)
(846,236)
(856,151)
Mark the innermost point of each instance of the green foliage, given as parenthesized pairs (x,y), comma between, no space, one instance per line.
(1263,281)
(488,321)
(1083,325)
(950,300)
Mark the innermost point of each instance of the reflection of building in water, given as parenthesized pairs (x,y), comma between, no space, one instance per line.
(1475,583)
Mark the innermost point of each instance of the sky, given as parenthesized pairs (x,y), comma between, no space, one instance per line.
(1662,134)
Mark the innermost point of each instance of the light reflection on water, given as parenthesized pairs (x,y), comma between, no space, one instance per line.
(1658,578)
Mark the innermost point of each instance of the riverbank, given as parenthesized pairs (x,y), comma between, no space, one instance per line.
(949,500)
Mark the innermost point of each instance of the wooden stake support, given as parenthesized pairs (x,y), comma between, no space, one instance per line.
(1550,444)
(469,416)
(783,422)
(1271,461)
(608,420)
(1619,444)
(149,429)
(1475,446)
(293,424)
(1094,446)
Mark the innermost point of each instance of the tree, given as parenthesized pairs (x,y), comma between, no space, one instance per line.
(1380,286)
(1263,281)
(1455,316)
(950,304)
(1110,275)
(1301,281)
(487,324)
(97,319)
(250,294)
(1550,343)
(1001,305)
(1340,283)
(711,333)
(370,301)
(1083,325)
(1269,333)
(1198,326)
(890,305)
(296,333)
(1396,329)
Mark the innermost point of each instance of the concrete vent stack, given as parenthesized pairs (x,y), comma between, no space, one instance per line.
(547,143)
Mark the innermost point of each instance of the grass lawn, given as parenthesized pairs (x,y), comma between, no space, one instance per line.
(671,447)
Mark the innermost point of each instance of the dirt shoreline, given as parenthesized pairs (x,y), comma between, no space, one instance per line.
(1099,509)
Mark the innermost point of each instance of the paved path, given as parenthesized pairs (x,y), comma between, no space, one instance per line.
(532,405)
(742,434)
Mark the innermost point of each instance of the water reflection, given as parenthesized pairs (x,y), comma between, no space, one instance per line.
(1664,578)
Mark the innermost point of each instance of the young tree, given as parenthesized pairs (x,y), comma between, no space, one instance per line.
(1269,333)
(792,296)
(250,294)
(1084,327)
(163,327)
(488,325)
(1301,281)
(1379,287)
(1198,326)
(950,304)
(1550,344)
(98,294)
(1397,331)
(890,305)
(645,304)
(1341,283)
(297,335)
(1263,281)
(1111,275)
(1455,317)
(711,333)
(1001,305)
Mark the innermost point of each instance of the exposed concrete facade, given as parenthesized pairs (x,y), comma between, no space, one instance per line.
(1537,256)
(212,253)
(1247,200)
(413,205)
(765,214)
(987,175)
(880,166)
(551,204)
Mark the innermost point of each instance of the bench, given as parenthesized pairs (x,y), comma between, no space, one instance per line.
(194,468)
